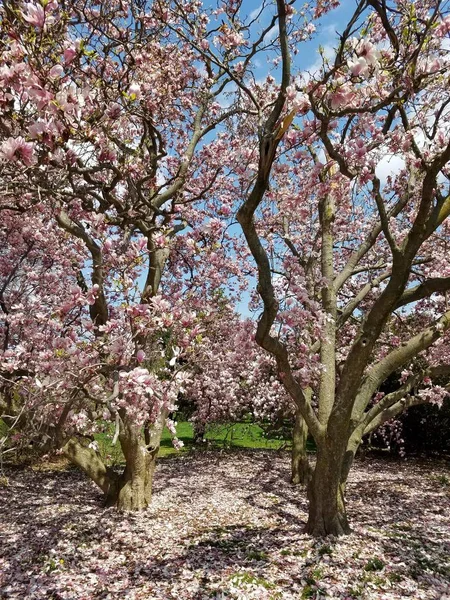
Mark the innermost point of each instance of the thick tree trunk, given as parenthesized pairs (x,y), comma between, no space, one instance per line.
(132,490)
(327,514)
(128,492)
(300,469)
(91,463)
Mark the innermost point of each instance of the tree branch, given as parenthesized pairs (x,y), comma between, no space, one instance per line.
(268,145)
(99,310)
(398,357)
(424,290)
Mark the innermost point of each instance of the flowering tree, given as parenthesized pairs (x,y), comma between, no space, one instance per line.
(106,117)
(38,286)
(361,252)
(235,378)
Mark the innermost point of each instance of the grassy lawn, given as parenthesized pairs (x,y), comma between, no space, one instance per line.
(224,436)
(237,435)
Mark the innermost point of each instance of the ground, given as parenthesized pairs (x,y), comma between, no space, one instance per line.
(226,525)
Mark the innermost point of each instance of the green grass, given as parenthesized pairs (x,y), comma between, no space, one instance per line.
(224,436)
(237,435)
(374,564)
(242,435)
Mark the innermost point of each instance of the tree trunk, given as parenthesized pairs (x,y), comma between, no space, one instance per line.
(352,448)
(91,463)
(300,469)
(133,489)
(199,431)
(327,514)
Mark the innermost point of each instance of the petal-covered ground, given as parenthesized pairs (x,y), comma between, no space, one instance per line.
(226,526)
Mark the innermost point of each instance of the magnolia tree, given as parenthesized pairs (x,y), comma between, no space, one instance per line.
(62,378)
(38,285)
(112,122)
(106,123)
(355,253)
(235,379)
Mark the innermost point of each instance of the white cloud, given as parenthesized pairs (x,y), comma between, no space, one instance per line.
(309,72)
(331,29)
(391,164)
(271,35)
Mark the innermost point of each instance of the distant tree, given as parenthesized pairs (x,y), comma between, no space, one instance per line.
(234,379)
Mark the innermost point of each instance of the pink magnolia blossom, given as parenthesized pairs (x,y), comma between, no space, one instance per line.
(35,15)
(92,294)
(229,38)
(135,91)
(69,54)
(434,395)
(367,50)
(107,155)
(171,426)
(359,67)
(443,28)
(114,110)
(177,444)
(341,98)
(41,96)
(56,71)
(37,129)
(17,149)
(300,103)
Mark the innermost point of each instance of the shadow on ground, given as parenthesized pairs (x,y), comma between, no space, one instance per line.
(225,523)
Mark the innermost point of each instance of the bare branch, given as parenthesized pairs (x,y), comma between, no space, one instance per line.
(424,290)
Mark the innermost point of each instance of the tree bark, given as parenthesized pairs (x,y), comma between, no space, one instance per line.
(133,490)
(91,463)
(327,513)
(199,431)
(300,469)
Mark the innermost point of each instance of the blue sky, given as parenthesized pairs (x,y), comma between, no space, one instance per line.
(328,28)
